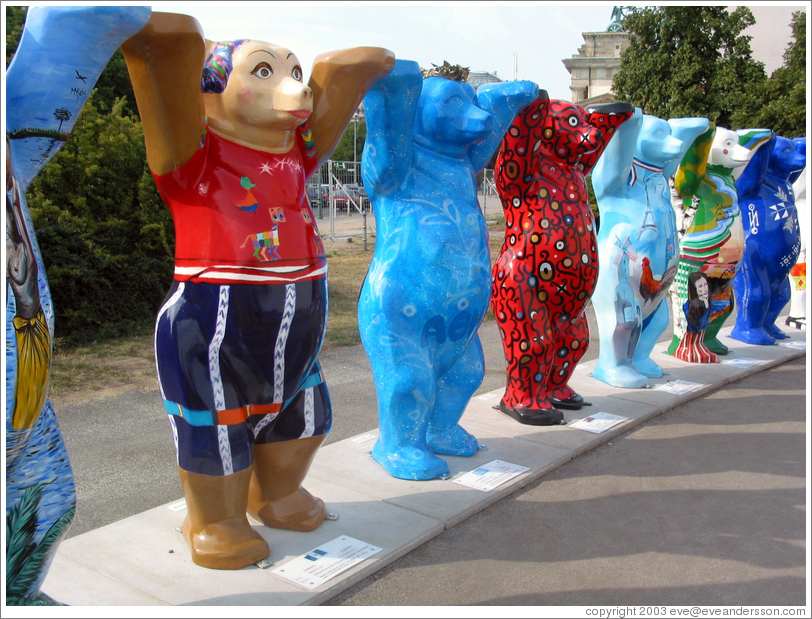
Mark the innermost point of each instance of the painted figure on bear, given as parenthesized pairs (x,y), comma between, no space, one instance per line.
(57,44)
(238,335)
(426,291)
(638,243)
(714,241)
(548,266)
(772,238)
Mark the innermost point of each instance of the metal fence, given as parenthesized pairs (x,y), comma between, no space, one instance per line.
(339,199)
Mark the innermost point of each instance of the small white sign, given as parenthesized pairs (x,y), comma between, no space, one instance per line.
(325,562)
(488,396)
(798,345)
(491,475)
(679,386)
(362,438)
(599,422)
(742,362)
(178,506)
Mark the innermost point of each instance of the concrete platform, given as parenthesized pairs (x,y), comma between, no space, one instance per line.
(143,560)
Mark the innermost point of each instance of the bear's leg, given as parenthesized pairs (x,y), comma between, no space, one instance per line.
(570,344)
(454,390)
(711,338)
(781,293)
(284,448)
(214,463)
(276,497)
(653,327)
(216,527)
(752,289)
(406,386)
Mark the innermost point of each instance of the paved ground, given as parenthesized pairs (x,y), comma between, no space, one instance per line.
(704,505)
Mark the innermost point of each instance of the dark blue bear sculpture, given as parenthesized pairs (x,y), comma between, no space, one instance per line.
(772,238)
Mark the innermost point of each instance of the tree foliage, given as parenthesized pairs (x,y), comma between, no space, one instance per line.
(779,103)
(351,142)
(15,20)
(105,236)
(688,61)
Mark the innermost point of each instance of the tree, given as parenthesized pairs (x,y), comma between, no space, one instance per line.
(15,20)
(105,236)
(688,61)
(352,142)
(779,103)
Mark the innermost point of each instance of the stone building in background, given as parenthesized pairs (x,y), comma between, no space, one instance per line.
(593,68)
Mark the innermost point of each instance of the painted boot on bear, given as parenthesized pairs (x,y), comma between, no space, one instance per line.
(216,527)
(276,497)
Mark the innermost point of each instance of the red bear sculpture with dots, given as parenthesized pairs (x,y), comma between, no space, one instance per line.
(548,266)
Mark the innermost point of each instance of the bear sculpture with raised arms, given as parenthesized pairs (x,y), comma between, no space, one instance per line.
(548,266)
(638,243)
(772,238)
(232,134)
(426,291)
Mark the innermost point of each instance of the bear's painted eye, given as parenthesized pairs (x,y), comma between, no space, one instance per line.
(573,121)
(263,71)
(455,101)
(297,73)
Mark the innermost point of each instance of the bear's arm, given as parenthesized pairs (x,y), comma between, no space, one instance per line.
(800,146)
(339,81)
(611,172)
(753,175)
(694,164)
(607,117)
(390,107)
(686,130)
(165,61)
(502,101)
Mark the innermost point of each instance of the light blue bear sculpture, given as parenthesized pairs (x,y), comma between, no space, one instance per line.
(62,52)
(772,238)
(638,243)
(428,286)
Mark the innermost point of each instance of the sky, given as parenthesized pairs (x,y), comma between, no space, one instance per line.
(480,36)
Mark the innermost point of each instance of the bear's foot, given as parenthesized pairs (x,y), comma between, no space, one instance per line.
(648,368)
(756,335)
(226,545)
(409,462)
(624,376)
(532,416)
(300,511)
(715,346)
(452,442)
(775,332)
(573,403)
(798,322)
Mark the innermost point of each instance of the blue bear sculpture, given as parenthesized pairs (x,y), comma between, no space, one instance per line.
(428,286)
(62,52)
(772,238)
(638,243)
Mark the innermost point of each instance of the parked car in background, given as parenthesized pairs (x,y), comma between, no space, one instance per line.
(344,197)
(318,195)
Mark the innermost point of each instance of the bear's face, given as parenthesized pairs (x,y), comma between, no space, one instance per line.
(785,157)
(726,150)
(447,113)
(264,92)
(655,144)
(566,134)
